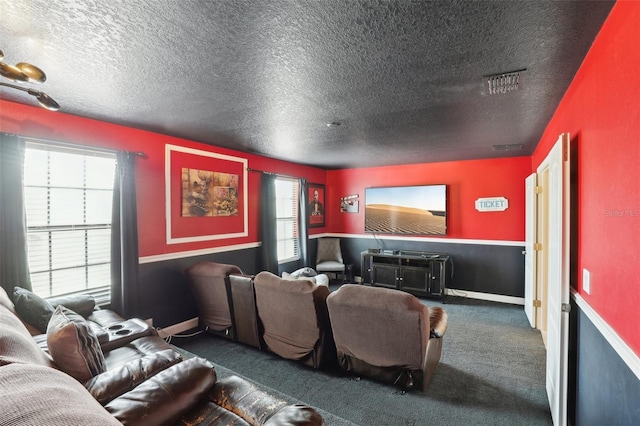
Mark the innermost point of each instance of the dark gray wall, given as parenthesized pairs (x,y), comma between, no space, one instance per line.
(166,297)
(480,268)
(164,290)
(605,390)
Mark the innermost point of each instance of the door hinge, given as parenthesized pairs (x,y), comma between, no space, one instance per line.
(537,189)
(537,303)
(566,307)
(537,246)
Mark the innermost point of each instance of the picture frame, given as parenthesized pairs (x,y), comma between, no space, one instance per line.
(316,209)
(223,173)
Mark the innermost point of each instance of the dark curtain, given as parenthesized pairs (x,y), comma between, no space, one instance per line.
(14,266)
(268,223)
(303,226)
(124,238)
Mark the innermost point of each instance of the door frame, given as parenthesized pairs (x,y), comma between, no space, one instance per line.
(558,209)
(530,246)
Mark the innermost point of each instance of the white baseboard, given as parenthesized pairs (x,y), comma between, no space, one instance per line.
(181,327)
(485,296)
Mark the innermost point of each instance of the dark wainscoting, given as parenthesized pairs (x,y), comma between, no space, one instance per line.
(606,390)
(165,294)
(482,268)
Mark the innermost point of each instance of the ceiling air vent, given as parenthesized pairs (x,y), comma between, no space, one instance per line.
(503,83)
(509,147)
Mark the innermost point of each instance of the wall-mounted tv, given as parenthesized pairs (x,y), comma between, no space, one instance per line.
(417,210)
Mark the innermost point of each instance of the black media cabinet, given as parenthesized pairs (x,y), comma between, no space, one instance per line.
(419,273)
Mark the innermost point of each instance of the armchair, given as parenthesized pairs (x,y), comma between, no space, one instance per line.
(329,257)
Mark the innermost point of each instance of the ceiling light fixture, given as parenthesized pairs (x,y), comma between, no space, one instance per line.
(23,72)
(334,124)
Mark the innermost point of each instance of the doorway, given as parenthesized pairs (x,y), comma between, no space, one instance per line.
(549,259)
(542,271)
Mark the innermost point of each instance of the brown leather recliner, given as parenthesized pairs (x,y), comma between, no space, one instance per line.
(294,319)
(209,282)
(147,382)
(386,334)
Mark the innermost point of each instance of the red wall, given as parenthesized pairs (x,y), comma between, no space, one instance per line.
(601,110)
(466,181)
(150,181)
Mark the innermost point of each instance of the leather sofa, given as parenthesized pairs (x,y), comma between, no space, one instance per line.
(141,379)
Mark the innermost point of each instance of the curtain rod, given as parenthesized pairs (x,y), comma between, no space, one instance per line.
(75,145)
(249,169)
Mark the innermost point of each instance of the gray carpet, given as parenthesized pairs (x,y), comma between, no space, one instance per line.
(492,372)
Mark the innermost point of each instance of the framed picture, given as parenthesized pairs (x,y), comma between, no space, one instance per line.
(209,193)
(315,210)
(206,195)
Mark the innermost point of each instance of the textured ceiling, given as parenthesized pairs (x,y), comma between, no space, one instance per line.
(403,77)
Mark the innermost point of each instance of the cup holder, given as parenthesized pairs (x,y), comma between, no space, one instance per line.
(123,332)
(115,327)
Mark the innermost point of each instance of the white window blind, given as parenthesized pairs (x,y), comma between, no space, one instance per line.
(68,197)
(287,219)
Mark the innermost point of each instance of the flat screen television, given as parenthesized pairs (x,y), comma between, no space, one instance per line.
(416,210)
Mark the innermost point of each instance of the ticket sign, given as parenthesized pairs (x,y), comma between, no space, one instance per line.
(492,204)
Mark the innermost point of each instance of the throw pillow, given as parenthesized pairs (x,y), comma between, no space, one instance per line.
(38,395)
(322,279)
(304,272)
(32,308)
(74,346)
(82,304)
(16,344)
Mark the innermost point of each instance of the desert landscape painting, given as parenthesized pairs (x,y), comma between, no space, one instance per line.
(390,219)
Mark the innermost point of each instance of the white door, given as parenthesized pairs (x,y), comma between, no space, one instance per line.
(557,163)
(529,251)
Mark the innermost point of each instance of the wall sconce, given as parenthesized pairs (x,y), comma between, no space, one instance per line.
(23,72)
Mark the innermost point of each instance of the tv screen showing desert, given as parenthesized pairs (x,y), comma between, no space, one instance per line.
(406,210)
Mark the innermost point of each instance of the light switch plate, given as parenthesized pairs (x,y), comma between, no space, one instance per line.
(586,280)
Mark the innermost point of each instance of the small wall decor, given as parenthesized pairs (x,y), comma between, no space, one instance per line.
(492,204)
(315,211)
(349,204)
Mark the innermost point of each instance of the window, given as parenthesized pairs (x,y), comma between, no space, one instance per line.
(68,197)
(287,219)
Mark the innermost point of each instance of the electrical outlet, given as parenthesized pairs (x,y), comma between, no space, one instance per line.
(586,280)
